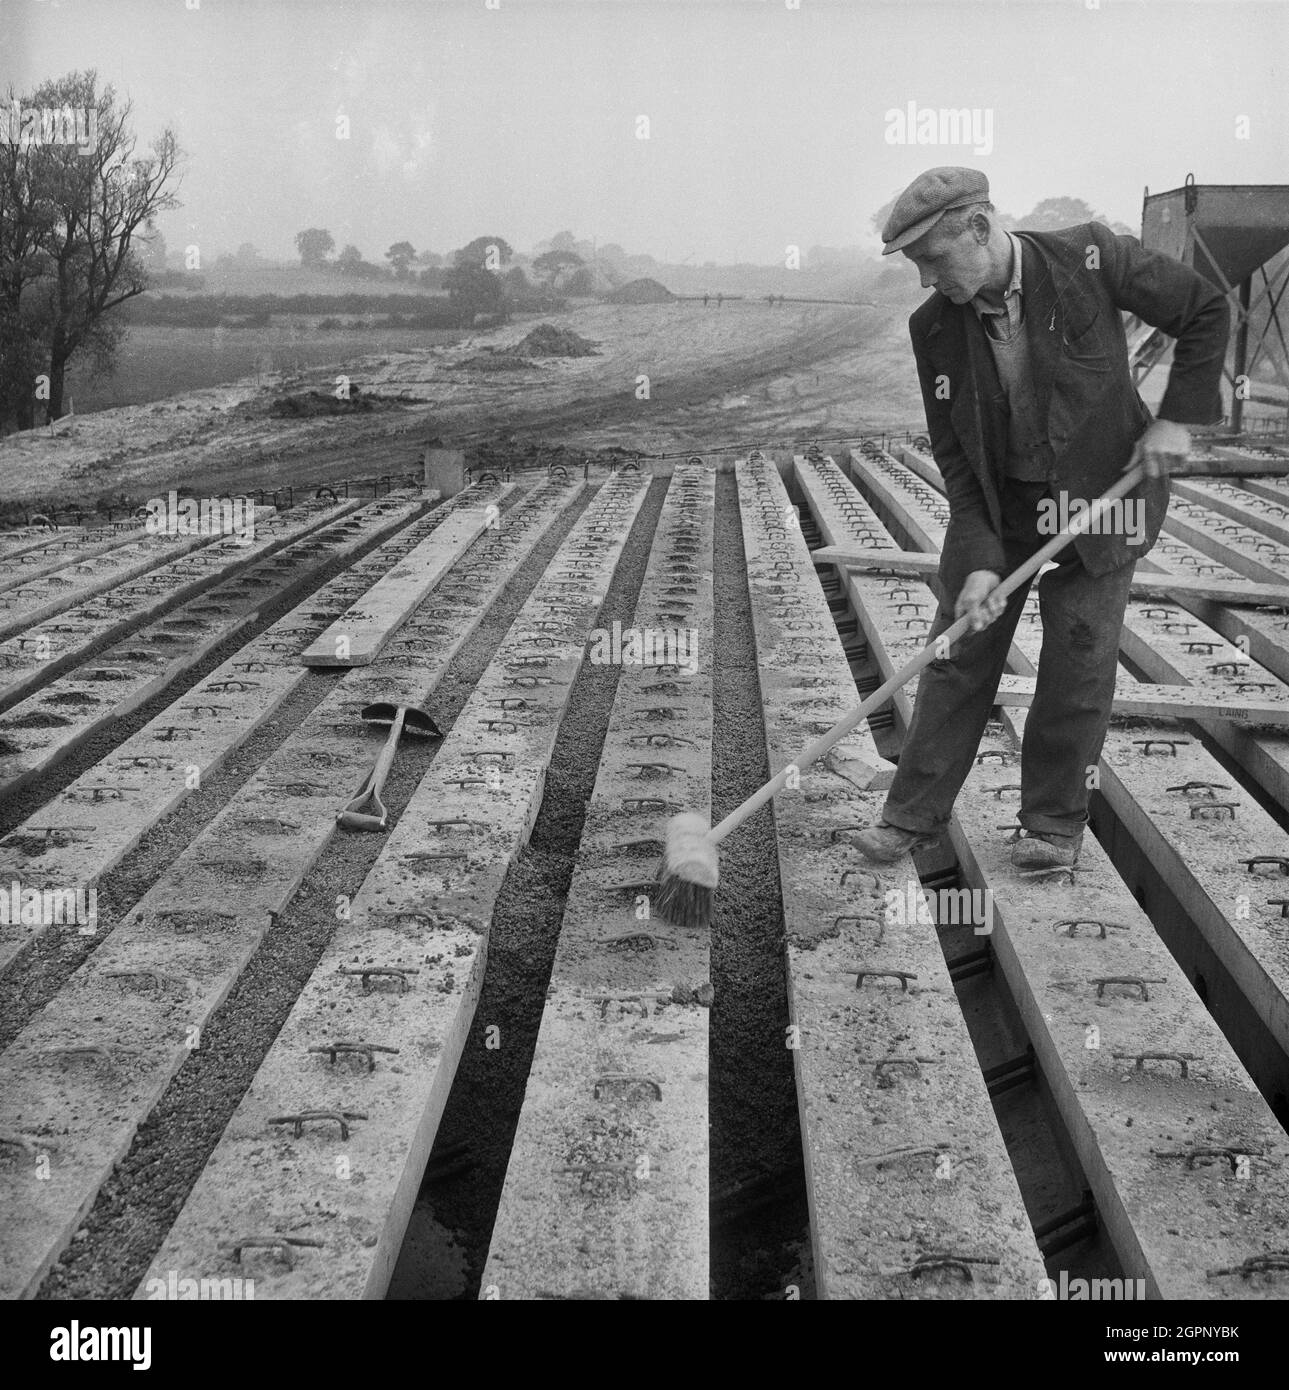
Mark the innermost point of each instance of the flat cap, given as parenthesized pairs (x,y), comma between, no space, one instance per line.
(917,209)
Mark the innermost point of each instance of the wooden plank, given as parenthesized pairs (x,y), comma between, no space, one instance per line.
(1144,584)
(356,638)
(1205,462)
(1266,461)
(606,1190)
(1164,702)
(862,557)
(426,904)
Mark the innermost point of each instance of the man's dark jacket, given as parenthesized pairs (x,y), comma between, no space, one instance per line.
(1074,283)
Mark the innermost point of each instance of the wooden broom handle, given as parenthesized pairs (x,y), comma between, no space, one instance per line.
(924,658)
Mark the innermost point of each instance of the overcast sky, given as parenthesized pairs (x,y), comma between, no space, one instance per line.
(767,124)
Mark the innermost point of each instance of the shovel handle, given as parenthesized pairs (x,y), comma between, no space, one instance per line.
(847,722)
(386,760)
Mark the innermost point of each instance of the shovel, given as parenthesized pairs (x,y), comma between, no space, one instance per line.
(367,811)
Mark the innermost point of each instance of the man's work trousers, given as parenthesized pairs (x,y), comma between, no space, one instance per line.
(1082,617)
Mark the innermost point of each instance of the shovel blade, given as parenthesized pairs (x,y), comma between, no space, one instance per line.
(415,720)
(866,776)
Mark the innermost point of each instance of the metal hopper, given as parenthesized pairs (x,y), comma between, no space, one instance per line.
(1230,233)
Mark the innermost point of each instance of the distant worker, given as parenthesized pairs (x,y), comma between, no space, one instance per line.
(720,299)
(705,301)
(1030,403)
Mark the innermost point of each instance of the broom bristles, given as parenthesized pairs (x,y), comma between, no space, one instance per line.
(684,904)
(688,876)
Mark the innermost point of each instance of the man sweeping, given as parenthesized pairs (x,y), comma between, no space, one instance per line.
(1032,411)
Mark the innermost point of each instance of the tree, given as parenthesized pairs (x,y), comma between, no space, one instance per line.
(247,256)
(581,282)
(484,252)
(1053,213)
(879,217)
(152,251)
(74,212)
(22,357)
(314,244)
(400,256)
(349,261)
(552,264)
(515,284)
(473,290)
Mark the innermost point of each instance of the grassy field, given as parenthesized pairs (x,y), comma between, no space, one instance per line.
(292,280)
(157,362)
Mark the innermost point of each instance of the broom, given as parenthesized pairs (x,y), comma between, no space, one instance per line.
(690,866)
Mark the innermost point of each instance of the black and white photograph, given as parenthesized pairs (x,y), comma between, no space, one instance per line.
(644,656)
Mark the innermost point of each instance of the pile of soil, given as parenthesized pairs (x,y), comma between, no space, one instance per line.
(309,403)
(642,291)
(548,341)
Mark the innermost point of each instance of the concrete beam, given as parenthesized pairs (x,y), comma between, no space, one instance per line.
(606,1192)
(357,637)
(903,1153)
